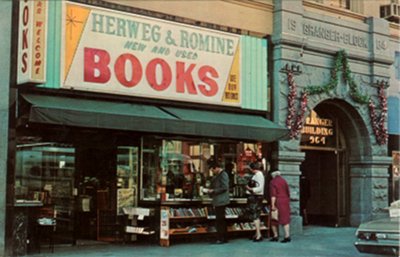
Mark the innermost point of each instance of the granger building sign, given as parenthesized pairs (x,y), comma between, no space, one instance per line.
(318,131)
(121,53)
(330,33)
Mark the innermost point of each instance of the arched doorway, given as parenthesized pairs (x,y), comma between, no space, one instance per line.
(330,136)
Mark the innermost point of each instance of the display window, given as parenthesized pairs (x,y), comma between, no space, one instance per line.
(44,171)
(178,169)
(44,177)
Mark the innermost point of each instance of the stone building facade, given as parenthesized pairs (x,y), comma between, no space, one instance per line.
(308,46)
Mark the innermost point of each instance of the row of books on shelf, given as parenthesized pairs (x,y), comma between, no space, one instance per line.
(209,212)
(187,212)
(230,212)
(234,212)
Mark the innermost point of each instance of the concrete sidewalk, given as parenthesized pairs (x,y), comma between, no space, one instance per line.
(315,242)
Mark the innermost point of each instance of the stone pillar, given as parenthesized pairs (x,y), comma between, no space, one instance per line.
(369,188)
(289,166)
(287,43)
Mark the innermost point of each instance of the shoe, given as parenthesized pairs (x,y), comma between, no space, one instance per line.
(274,239)
(286,240)
(252,237)
(258,239)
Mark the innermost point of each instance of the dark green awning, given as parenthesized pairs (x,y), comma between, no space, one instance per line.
(229,125)
(148,118)
(96,114)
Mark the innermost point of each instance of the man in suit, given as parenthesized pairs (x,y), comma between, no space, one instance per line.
(219,191)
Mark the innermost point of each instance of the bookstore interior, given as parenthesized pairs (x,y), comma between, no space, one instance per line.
(151,186)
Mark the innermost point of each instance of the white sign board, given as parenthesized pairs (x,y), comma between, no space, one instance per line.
(120,53)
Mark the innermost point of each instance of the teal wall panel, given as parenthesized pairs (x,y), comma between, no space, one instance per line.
(254,78)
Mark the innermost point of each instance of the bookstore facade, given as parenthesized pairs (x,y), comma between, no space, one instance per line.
(120,108)
(121,111)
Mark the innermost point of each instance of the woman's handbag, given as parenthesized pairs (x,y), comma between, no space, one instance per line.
(252,183)
(274,214)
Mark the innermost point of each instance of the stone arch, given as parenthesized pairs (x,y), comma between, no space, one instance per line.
(367,162)
(357,137)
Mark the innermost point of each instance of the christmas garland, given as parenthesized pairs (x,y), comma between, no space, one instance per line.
(341,63)
(378,123)
(294,121)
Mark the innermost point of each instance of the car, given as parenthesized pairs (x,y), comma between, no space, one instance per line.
(381,236)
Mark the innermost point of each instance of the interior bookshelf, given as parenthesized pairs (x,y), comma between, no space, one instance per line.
(186,221)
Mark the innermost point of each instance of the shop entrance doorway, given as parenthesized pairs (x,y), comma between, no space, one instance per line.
(96,178)
(323,188)
(324,180)
(107,181)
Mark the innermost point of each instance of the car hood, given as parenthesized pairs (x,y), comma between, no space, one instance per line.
(381,225)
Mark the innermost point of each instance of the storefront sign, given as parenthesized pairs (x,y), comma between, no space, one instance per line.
(32,41)
(318,131)
(119,53)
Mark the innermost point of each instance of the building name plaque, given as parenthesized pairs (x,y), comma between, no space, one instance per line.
(331,33)
(318,131)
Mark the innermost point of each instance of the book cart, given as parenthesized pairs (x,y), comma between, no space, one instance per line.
(197,219)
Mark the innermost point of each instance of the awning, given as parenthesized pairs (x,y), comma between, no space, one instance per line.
(228,125)
(148,118)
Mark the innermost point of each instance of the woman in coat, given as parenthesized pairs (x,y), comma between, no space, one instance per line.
(280,200)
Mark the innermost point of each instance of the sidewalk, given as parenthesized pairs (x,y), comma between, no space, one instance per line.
(315,242)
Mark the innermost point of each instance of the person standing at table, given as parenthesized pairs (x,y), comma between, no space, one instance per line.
(219,191)
(255,197)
